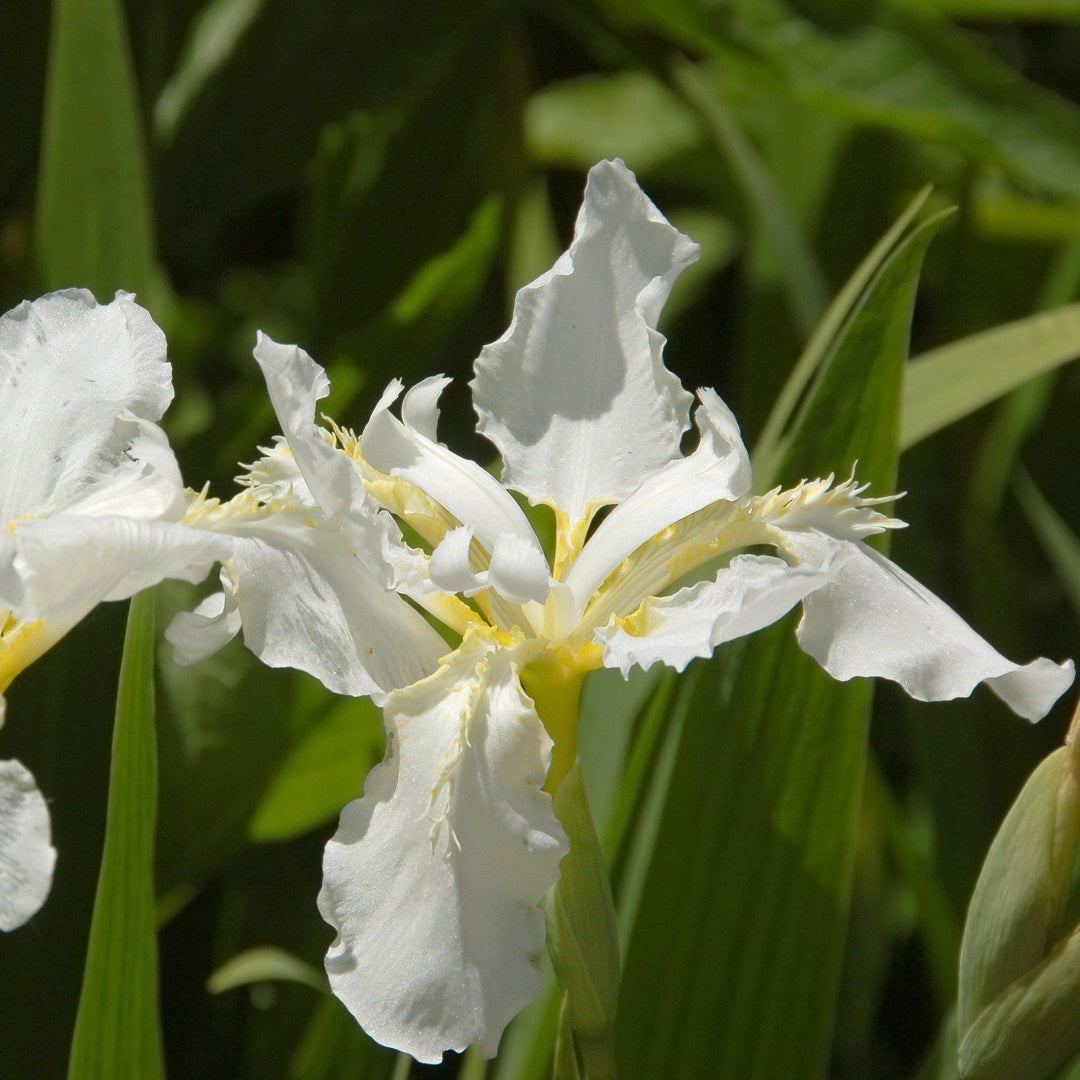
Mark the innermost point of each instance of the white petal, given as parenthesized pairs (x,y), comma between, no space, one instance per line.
(420,406)
(451,567)
(69,367)
(308,599)
(295,383)
(466,490)
(575,394)
(146,482)
(752,592)
(877,620)
(434,876)
(196,635)
(69,563)
(27,857)
(719,469)
(519,570)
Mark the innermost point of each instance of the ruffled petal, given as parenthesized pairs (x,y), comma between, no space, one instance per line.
(468,492)
(307,599)
(295,383)
(749,594)
(575,394)
(67,564)
(27,857)
(434,876)
(69,367)
(719,469)
(877,620)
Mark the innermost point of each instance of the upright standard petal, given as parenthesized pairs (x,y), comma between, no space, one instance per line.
(27,857)
(752,593)
(875,619)
(434,876)
(69,367)
(575,394)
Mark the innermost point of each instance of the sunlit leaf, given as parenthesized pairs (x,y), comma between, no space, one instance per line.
(950,382)
(757,835)
(264,964)
(324,771)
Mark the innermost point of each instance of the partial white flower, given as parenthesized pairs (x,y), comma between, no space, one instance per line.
(26,855)
(433,879)
(90,500)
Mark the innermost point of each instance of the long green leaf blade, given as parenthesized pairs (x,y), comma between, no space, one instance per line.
(94,220)
(734,957)
(948,383)
(117,1030)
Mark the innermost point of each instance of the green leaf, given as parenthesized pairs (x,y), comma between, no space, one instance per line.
(94,220)
(265,963)
(734,957)
(334,1047)
(769,448)
(946,384)
(801,274)
(324,771)
(1059,541)
(901,69)
(1013,10)
(213,37)
(117,1030)
(629,114)
(228,756)
(372,56)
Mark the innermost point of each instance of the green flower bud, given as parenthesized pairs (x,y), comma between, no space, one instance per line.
(1018,1013)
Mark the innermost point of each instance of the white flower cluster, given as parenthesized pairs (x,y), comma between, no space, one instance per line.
(434,877)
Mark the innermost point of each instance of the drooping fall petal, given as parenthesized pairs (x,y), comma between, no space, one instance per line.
(434,876)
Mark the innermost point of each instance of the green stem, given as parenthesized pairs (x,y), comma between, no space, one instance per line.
(583,937)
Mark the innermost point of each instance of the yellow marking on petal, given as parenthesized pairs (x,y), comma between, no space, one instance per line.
(21,643)
(569,540)
(428,518)
(723,527)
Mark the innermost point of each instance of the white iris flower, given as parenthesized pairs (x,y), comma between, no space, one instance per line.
(434,877)
(89,496)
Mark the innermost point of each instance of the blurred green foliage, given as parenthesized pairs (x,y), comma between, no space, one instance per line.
(373,179)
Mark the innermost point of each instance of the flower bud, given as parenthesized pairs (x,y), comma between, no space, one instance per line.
(1018,1013)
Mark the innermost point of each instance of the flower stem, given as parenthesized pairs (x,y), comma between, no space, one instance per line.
(583,937)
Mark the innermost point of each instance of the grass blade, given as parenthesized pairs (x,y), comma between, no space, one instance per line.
(94,219)
(946,384)
(117,1030)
